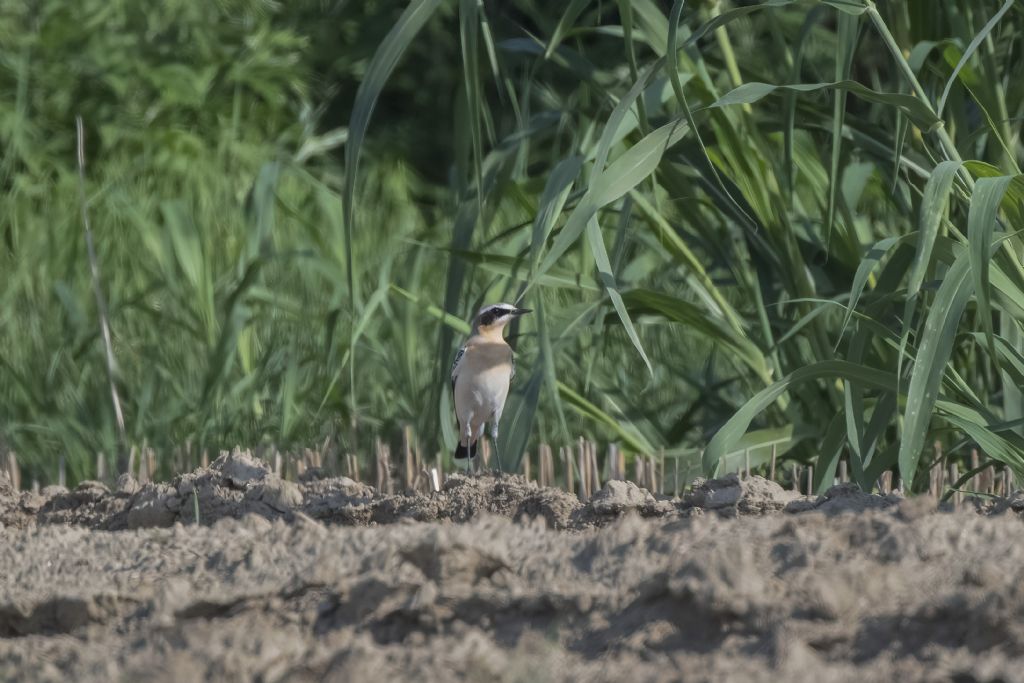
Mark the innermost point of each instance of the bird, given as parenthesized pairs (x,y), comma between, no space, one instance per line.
(481,373)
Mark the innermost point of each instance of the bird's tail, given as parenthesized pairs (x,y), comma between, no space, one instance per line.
(463,452)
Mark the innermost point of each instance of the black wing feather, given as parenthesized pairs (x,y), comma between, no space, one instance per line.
(455,365)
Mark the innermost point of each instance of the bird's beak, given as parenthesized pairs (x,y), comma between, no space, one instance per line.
(522,311)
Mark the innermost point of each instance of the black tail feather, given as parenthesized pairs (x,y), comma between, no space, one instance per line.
(461,452)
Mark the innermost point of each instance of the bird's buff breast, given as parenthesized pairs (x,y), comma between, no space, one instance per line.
(488,390)
(484,386)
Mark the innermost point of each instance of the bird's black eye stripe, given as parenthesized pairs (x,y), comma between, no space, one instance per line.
(491,314)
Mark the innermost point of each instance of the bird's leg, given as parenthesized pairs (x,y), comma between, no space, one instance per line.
(468,440)
(494,439)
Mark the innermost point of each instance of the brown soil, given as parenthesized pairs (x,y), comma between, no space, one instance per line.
(496,579)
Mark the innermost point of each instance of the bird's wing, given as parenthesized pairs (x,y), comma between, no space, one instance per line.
(456,365)
(512,362)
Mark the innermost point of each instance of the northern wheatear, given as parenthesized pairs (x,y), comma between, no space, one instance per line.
(481,374)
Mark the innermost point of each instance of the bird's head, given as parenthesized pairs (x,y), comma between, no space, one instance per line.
(491,319)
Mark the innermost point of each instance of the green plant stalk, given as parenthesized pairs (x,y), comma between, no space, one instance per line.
(1012,397)
(728,54)
(908,73)
(947,143)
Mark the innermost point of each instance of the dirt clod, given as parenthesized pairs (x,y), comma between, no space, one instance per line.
(734,496)
(617,497)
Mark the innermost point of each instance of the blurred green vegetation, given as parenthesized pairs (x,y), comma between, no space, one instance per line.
(718,265)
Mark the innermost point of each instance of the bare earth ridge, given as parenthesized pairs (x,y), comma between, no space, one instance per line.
(494,578)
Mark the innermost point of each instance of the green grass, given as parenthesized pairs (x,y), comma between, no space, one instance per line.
(788,223)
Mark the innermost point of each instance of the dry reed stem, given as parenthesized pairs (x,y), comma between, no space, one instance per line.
(485,452)
(383,453)
(661,471)
(410,465)
(954,476)
(613,462)
(581,458)
(652,474)
(582,467)
(565,454)
(14,472)
(543,452)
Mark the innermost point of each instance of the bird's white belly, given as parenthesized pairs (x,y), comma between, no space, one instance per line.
(483,395)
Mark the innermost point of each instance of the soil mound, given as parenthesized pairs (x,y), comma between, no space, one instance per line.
(238,484)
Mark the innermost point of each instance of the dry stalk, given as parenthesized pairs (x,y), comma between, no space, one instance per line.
(583,467)
(485,451)
(383,452)
(954,476)
(613,462)
(543,450)
(13,470)
(410,465)
(661,471)
(566,456)
(975,462)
